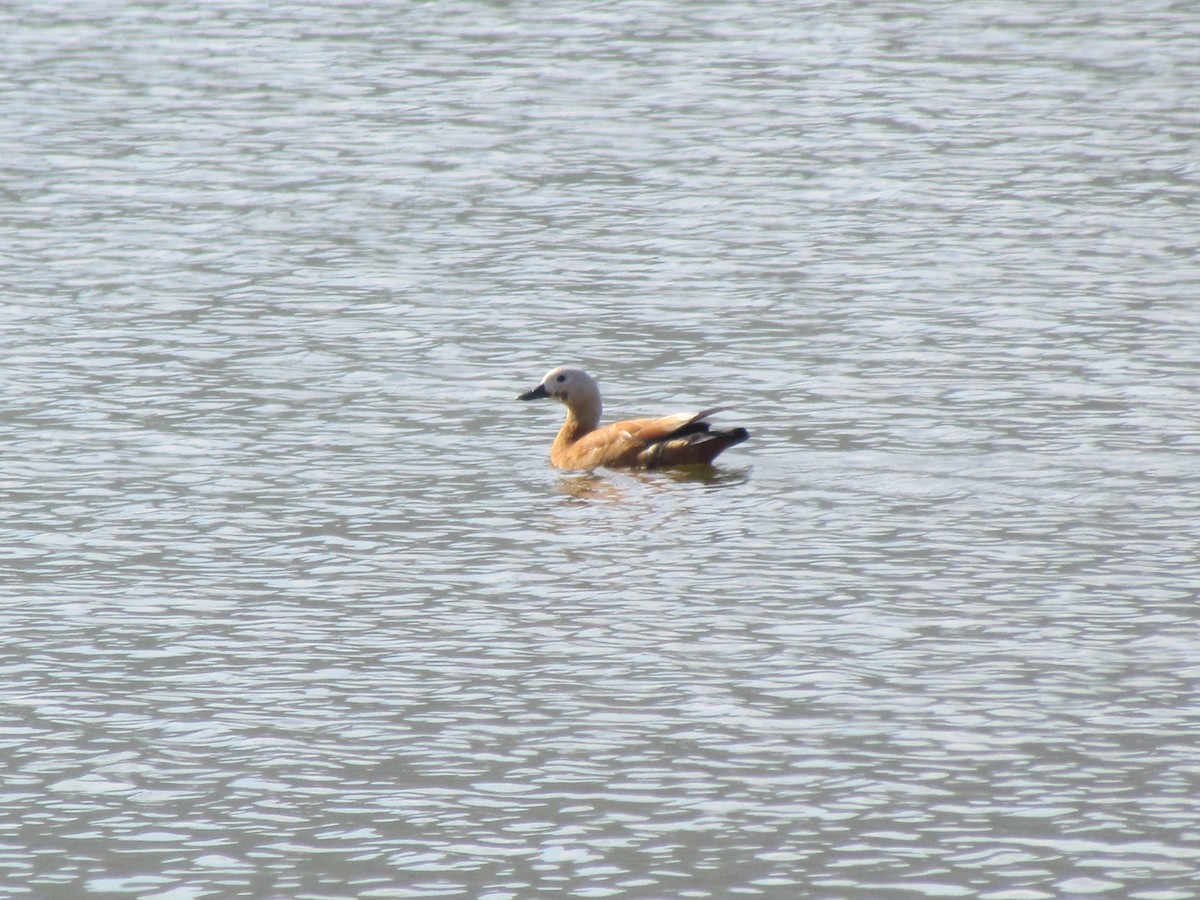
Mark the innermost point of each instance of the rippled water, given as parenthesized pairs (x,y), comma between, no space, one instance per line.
(292,604)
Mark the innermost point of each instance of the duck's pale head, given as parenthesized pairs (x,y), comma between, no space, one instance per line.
(567,385)
(575,388)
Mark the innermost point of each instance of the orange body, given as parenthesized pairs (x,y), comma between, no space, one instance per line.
(641,443)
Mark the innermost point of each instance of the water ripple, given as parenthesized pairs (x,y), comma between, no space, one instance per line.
(294,605)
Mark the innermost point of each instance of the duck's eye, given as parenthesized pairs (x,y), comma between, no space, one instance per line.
(561,378)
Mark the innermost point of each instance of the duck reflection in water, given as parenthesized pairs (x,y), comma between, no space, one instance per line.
(611,487)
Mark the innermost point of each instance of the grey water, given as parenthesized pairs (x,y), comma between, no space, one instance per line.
(292,604)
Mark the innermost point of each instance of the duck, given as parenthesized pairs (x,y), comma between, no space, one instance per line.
(683,439)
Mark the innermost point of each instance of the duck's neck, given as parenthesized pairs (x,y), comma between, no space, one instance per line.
(583,415)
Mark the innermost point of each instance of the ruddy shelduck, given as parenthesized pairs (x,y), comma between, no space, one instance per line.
(684,439)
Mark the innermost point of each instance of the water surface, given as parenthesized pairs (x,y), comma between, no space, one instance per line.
(292,604)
